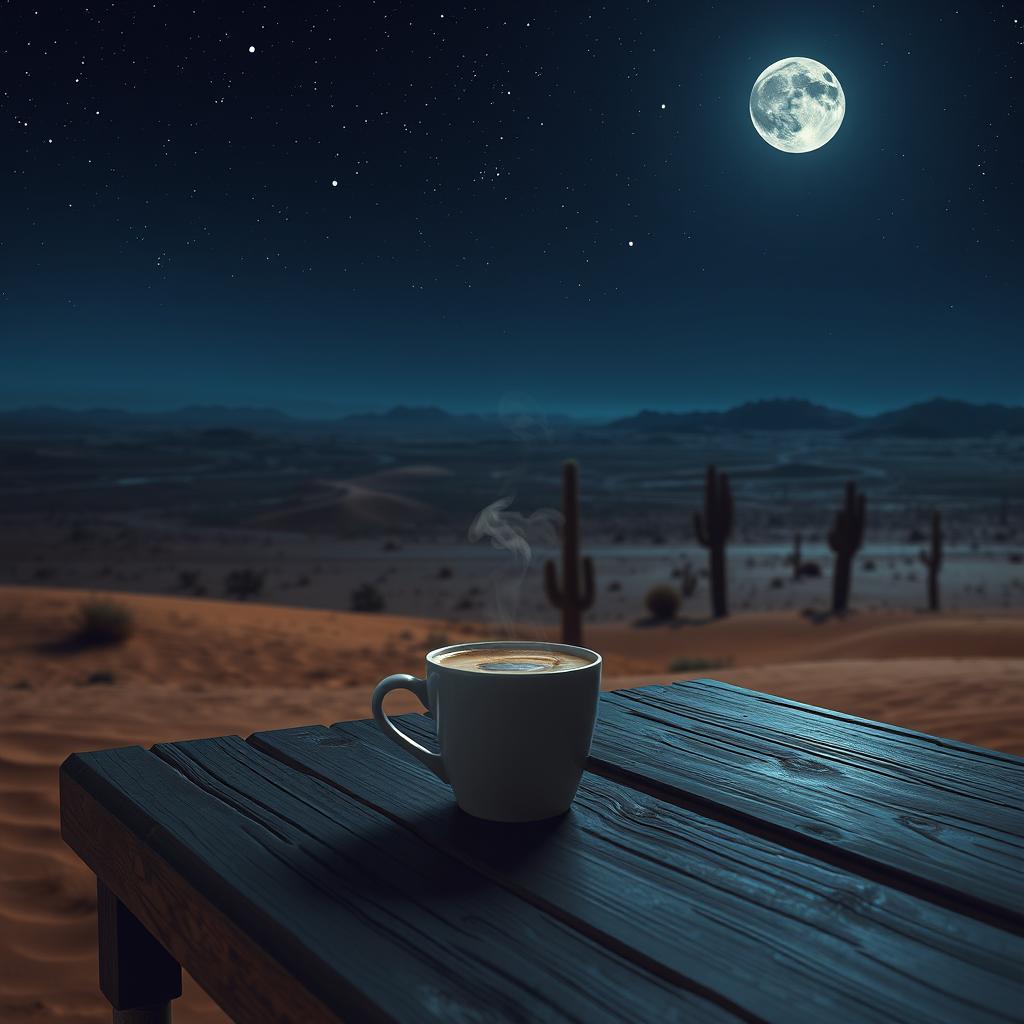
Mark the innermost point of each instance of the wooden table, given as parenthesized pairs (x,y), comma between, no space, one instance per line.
(731,856)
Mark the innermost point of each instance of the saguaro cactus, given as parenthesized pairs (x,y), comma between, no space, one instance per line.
(796,556)
(575,595)
(933,561)
(713,530)
(688,581)
(845,539)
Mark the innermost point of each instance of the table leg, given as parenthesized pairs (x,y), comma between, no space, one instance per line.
(137,975)
(158,1013)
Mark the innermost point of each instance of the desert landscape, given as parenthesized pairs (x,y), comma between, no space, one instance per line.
(334,334)
(197,667)
(255,505)
(195,577)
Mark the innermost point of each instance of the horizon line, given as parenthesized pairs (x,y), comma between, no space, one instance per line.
(383,411)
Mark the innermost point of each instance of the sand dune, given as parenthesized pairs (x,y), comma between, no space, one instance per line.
(201,668)
(344,509)
(758,638)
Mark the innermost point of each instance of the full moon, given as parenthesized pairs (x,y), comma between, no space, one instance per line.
(797,105)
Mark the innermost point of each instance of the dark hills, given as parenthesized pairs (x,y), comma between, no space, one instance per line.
(946,418)
(772,414)
(401,420)
(937,418)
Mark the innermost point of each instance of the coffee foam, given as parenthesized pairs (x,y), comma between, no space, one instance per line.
(511,659)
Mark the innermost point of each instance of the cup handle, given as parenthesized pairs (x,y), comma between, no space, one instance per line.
(419,687)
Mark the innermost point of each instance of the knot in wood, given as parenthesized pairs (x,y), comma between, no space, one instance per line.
(820,830)
(806,765)
(920,825)
(334,740)
(640,812)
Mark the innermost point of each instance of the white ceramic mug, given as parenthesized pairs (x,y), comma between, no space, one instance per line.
(513,744)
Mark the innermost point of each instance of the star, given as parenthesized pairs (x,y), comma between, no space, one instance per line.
(252,49)
(663,106)
(630,244)
(334,182)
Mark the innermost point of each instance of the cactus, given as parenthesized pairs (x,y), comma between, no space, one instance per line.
(713,530)
(796,556)
(575,595)
(845,539)
(688,581)
(933,561)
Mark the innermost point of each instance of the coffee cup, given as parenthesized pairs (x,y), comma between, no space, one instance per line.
(514,722)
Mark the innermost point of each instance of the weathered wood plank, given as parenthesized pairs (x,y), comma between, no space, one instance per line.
(419,934)
(362,920)
(105,827)
(773,930)
(932,811)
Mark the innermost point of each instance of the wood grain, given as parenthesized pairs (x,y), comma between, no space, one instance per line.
(349,902)
(929,810)
(770,929)
(105,804)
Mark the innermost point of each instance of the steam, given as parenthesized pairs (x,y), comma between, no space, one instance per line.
(517,534)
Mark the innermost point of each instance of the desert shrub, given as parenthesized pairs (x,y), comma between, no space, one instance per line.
(815,615)
(614,585)
(302,581)
(444,573)
(1016,558)
(104,622)
(367,598)
(698,664)
(776,583)
(689,580)
(188,579)
(243,583)
(868,565)
(662,601)
(810,569)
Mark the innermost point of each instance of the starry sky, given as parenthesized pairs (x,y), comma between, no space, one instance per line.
(329,208)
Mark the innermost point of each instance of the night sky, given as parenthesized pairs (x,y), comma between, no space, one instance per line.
(338,208)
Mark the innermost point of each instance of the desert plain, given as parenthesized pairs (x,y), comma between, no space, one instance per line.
(319,527)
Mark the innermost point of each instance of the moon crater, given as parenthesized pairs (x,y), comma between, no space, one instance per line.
(797,105)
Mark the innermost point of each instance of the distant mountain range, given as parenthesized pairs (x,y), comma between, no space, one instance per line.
(402,420)
(773,414)
(938,418)
(943,417)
